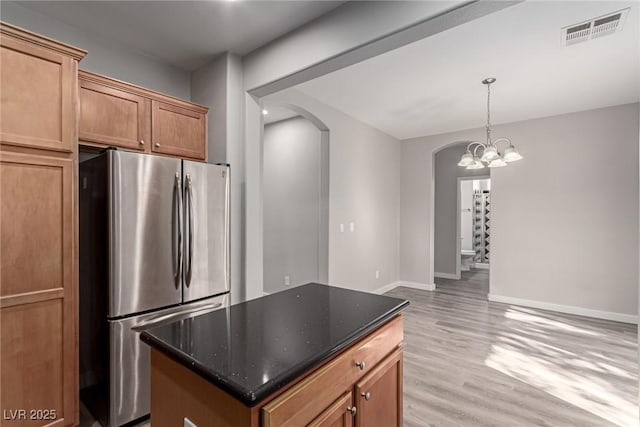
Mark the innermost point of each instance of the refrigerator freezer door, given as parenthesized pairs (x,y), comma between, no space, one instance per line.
(129,357)
(144,232)
(206,219)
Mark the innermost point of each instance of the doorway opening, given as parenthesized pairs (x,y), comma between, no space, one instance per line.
(474,227)
(462,226)
(296,199)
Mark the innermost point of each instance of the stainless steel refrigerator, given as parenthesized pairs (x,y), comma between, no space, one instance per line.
(154,248)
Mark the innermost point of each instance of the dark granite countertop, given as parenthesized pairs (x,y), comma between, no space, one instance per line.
(252,349)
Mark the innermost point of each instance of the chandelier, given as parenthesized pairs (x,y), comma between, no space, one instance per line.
(478,153)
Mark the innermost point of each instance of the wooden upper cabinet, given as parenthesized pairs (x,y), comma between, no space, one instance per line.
(337,415)
(178,131)
(378,396)
(119,114)
(37,77)
(111,116)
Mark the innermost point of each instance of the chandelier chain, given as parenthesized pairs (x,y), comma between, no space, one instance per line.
(488,127)
(489,105)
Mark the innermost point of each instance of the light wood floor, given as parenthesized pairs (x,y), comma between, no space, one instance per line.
(470,362)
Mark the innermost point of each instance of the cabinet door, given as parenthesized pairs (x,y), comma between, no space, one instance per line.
(113,117)
(336,415)
(178,131)
(38,352)
(378,395)
(38,96)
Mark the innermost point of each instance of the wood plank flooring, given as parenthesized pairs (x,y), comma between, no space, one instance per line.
(470,362)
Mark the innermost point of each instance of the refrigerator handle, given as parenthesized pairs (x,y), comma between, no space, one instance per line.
(172,317)
(189,203)
(177,230)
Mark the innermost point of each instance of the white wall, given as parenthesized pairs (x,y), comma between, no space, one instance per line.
(447,173)
(565,219)
(352,33)
(364,189)
(292,203)
(209,88)
(218,85)
(104,57)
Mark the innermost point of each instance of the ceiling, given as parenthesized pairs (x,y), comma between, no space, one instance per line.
(434,85)
(277,114)
(158,28)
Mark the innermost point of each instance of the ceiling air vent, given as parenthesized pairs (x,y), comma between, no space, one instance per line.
(594,28)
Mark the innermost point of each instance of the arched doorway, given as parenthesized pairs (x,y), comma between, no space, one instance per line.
(460,219)
(295,198)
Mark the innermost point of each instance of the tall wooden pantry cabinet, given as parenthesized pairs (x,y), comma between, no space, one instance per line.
(38,235)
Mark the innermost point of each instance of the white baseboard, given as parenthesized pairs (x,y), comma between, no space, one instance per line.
(386,288)
(414,285)
(569,309)
(481,265)
(447,276)
(264,293)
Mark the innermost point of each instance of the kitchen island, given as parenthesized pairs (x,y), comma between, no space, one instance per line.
(311,355)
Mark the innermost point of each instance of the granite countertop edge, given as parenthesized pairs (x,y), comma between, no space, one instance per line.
(251,398)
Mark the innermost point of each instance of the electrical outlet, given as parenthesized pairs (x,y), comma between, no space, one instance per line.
(352,226)
(189,423)
(287,281)
(377,274)
(342,228)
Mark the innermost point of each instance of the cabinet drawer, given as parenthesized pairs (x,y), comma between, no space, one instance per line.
(306,400)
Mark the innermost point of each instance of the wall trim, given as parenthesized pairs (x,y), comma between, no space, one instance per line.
(447,276)
(481,265)
(386,288)
(414,285)
(568,309)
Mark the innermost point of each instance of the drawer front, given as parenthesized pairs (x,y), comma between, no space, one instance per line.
(306,400)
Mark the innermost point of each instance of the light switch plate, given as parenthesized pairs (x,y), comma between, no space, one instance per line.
(189,423)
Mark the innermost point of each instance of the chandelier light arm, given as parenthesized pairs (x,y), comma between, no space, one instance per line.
(477,144)
(503,139)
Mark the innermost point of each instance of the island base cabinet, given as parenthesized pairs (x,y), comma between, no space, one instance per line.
(360,386)
(178,394)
